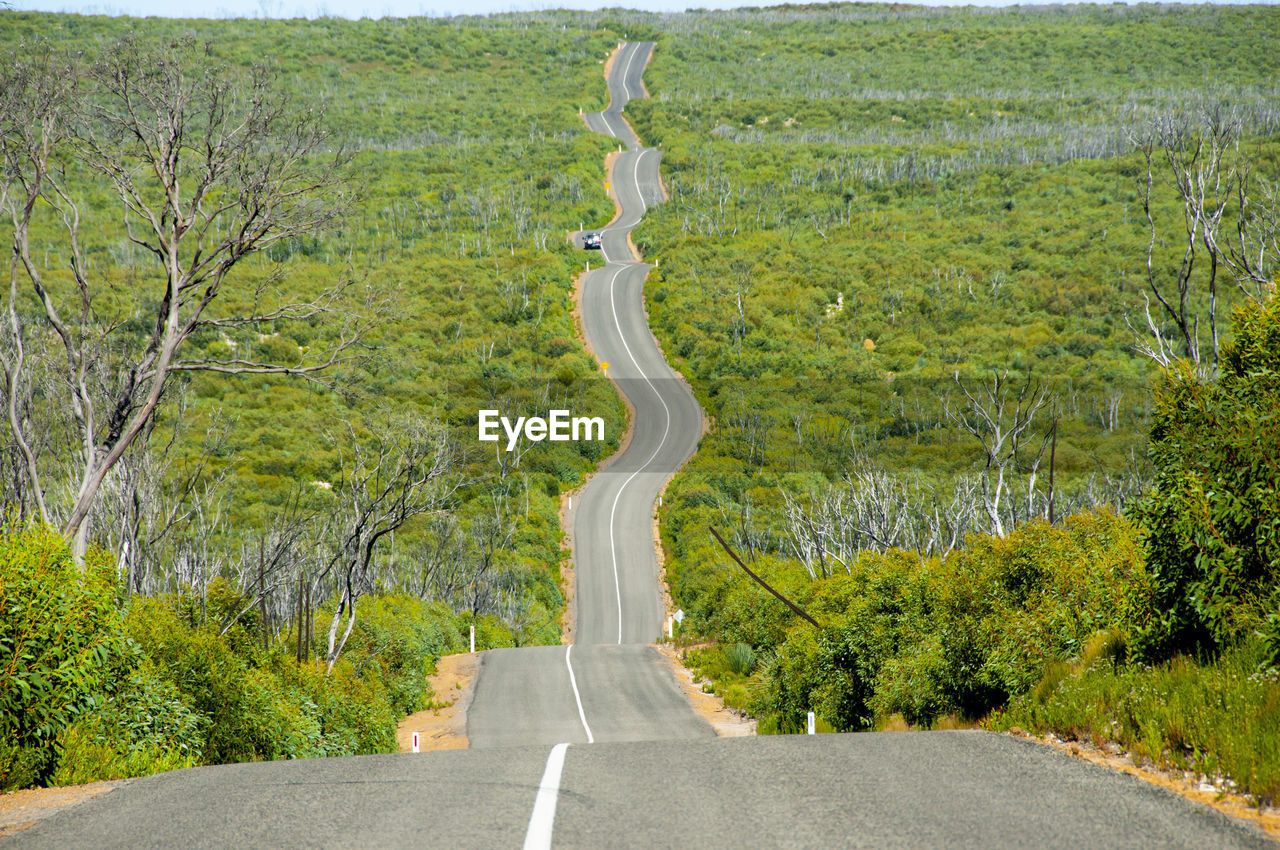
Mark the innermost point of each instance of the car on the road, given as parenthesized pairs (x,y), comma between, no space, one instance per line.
(591,241)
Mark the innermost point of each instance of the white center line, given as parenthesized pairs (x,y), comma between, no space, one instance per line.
(573,682)
(644,207)
(635,177)
(666,429)
(543,819)
(626,89)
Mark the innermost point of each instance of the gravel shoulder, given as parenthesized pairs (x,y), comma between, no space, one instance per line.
(21,809)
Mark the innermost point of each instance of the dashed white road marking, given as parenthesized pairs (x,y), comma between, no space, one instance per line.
(543,820)
(573,682)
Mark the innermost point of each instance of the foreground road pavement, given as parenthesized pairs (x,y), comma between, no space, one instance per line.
(916,789)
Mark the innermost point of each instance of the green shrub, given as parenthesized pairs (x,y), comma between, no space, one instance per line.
(265,706)
(396,640)
(59,625)
(741,659)
(88,753)
(1212,521)
(929,638)
(203,667)
(139,725)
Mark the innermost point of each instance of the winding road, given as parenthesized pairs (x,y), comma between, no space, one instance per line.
(593,745)
(611,684)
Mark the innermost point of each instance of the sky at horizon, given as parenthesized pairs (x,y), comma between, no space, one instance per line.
(408,8)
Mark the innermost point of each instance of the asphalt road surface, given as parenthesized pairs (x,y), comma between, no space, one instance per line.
(592,745)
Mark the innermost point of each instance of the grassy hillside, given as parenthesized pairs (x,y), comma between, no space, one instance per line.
(876,209)
(878,215)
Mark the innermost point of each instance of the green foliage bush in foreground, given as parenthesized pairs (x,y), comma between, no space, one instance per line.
(97,688)
(927,639)
(58,626)
(1213,518)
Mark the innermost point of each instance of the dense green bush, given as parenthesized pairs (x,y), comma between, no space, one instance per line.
(1212,520)
(261,704)
(97,688)
(203,665)
(59,625)
(928,638)
(396,641)
(139,724)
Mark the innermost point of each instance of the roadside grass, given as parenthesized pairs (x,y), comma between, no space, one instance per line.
(1217,718)
(725,672)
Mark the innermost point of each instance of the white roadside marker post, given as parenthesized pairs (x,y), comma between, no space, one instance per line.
(415,742)
(473,638)
(811,724)
(671,628)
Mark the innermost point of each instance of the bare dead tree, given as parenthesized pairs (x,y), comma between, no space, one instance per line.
(874,511)
(1000,415)
(157,495)
(746,533)
(405,470)
(268,567)
(1251,253)
(210,166)
(488,534)
(738,289)
(1216,184)
(38,92)
(439,555)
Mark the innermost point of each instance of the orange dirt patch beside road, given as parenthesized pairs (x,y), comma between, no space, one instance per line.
(444,726)
(608,62)
(21,809)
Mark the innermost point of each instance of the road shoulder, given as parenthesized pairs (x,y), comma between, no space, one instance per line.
(1185,784)
(25,808)
(443,725)
(726,722)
